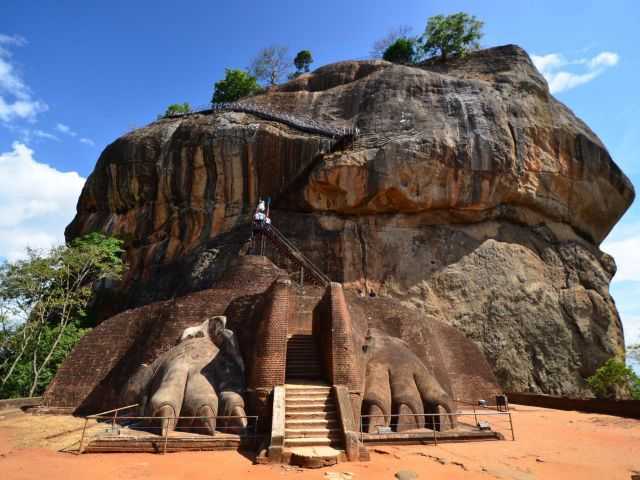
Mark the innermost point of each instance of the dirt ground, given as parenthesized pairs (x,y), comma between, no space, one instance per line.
(550,444)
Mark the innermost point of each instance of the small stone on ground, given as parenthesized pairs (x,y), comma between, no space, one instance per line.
(406,475)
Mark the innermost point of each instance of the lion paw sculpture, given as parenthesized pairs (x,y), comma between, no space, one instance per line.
(398,383)
(202,376)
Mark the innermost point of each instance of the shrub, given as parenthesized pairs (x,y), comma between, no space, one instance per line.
(400,51)
(235,85)
(176,109)
(615,380)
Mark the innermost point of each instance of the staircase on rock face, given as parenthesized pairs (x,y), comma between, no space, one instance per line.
(303,360)
(311,418)
(286,248)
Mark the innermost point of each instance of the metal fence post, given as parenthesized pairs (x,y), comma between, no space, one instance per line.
(435,438)
(113,423)
(513,435)
(166,438)
(84,429)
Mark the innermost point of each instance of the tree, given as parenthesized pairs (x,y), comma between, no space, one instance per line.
(451,35)
(46,295)
(235,85)
(633,352)
(177,109)
(400,51)
(302,61)
(615,380)
(270,65)
(382,44)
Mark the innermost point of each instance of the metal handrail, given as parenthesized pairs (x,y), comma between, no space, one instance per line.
(475,414)
(299,122)
(115,410)
(254,419)
(295,253)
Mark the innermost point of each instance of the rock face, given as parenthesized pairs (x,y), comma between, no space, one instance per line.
(472,196)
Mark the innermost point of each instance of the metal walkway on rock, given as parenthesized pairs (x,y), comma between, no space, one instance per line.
(299,122)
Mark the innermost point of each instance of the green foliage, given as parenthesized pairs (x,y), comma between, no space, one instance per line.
(633,352)
(381,45)
(400,51)
(451,35)
(21,380)
(302,61)
(176,109)
(235,85)
(270,64)
(615,380)
(43,300)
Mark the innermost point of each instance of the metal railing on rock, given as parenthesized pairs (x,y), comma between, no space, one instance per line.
(414,426)
(122,426)
(299,122)
(284,245)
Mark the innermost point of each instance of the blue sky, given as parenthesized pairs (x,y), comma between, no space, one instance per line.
(75,75)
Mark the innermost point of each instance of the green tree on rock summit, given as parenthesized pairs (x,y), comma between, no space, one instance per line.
(302,61)
(451,35)
(235,85)
(401,51)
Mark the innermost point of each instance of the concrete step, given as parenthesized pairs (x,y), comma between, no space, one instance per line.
(312,423)
(324,400)
(301,395)
(310,442)
(310,407)
(333,433)
(303,366)
(328,415)
(305,386)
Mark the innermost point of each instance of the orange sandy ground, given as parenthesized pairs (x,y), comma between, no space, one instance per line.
(550,444)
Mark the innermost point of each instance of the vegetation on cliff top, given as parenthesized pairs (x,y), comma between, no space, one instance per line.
(176,109)
(43,301)
(615,380)
(235,85)
(444,37)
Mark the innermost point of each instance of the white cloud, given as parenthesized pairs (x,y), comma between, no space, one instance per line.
(36,202)
(61,127)
(16,101)
(87,141)
(43,134)
(561,74)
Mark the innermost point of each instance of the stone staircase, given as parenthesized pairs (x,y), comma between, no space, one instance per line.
(303,359)
(311,418)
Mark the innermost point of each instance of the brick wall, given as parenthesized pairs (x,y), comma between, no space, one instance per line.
(93,376)
(271,345)
(344,357)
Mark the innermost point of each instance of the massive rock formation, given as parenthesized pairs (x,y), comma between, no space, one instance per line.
(472,197)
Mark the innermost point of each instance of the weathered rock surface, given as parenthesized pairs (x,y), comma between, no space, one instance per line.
(472,195)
